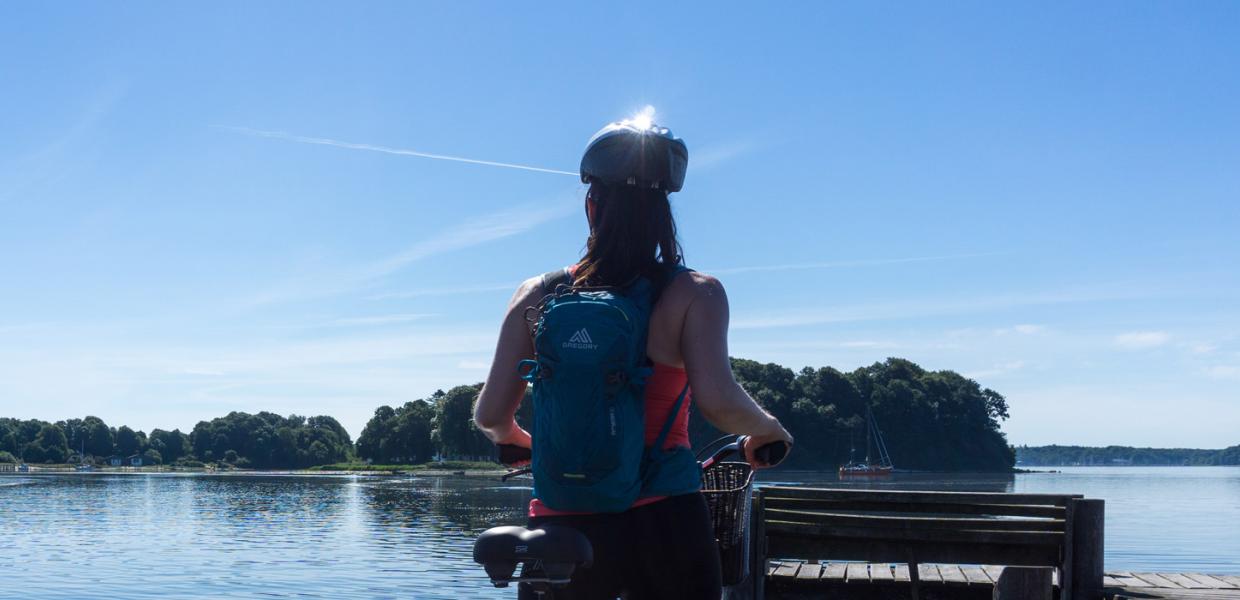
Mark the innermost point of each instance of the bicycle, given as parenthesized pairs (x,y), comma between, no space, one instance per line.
(550,554)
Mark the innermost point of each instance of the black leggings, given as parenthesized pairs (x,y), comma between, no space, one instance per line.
(665,549)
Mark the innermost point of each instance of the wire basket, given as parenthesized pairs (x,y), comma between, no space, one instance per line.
(728,487)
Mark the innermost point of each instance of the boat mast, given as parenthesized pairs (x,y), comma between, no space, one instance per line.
(869,438)
(873,431)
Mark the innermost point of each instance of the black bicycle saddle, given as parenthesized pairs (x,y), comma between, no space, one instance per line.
(551,553)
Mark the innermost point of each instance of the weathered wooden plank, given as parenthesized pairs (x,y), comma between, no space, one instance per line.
(1156,580)
(1111,582)
(1184,582)
(920,497)
(1211,581)
(1232,579)
(809,572)
(1174,594)
(901,573)
(993,571)
(952,574)
(858,573)
(835,504)
(968,536)
(929,574)
(1126,579)
(787,545)
(787,569)
(975,575)
(910,522)
(835,571)
(881,573)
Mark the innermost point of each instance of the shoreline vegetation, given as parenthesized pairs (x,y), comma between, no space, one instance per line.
(1124,456)
(931,421)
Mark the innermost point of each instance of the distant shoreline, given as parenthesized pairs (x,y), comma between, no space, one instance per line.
(1124,456)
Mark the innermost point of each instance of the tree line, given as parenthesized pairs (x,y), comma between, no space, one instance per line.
(264,440)
(932,420)
(1064,456)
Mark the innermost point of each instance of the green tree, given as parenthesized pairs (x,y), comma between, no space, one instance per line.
(399,436)
(171,445)
(455,432)
(127,441)
(51,440)
(97,437)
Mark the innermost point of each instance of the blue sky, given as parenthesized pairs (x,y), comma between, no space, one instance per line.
(1042,197)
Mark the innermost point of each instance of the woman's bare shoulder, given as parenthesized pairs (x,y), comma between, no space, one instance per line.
(528,293)
(693,285)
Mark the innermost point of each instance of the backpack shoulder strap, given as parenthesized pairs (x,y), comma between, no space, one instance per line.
(553,279)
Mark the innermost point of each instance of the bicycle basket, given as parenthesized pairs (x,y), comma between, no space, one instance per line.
(728,488)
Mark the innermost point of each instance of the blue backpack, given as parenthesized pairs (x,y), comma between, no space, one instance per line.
(589,379)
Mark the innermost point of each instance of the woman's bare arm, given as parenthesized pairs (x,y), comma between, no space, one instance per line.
(504,389)
(704,343)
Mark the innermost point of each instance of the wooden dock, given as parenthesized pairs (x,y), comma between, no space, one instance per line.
(800,579)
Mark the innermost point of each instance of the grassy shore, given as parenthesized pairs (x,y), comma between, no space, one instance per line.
(447,465)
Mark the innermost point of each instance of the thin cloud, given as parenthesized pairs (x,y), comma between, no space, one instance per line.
(927,308)
(448,291)
(1022,329)
(997,370)
(839,264)
(301,139)
(1140,340)
(501,287)
(1223,372)
(381,319)
(1201,347)
(714,156)
(477,231)
(51,161)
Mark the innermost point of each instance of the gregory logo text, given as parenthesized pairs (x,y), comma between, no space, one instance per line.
(580,341)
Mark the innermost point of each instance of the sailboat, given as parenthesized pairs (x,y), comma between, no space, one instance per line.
(873,441)
(83,466)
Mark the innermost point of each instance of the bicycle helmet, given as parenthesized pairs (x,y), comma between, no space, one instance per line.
(636,152)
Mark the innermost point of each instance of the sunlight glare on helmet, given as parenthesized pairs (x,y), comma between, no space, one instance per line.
(645,119)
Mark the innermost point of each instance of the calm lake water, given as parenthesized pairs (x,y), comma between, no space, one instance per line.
(261,536)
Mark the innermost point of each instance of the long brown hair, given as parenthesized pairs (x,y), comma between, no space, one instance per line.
(632,234)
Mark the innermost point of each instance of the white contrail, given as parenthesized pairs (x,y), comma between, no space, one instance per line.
(279,135)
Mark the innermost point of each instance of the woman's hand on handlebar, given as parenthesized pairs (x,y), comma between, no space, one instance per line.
(514,448)
(777,433)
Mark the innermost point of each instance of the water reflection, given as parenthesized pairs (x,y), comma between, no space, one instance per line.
(177,536)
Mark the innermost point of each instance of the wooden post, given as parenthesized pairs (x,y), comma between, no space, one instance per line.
(1024,583)
(1065,563)
(1088,520)
(914,577)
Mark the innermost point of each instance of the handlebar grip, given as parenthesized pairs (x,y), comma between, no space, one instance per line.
(772,453)
(511,454)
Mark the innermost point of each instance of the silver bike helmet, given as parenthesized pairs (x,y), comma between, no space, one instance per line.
(636,152)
